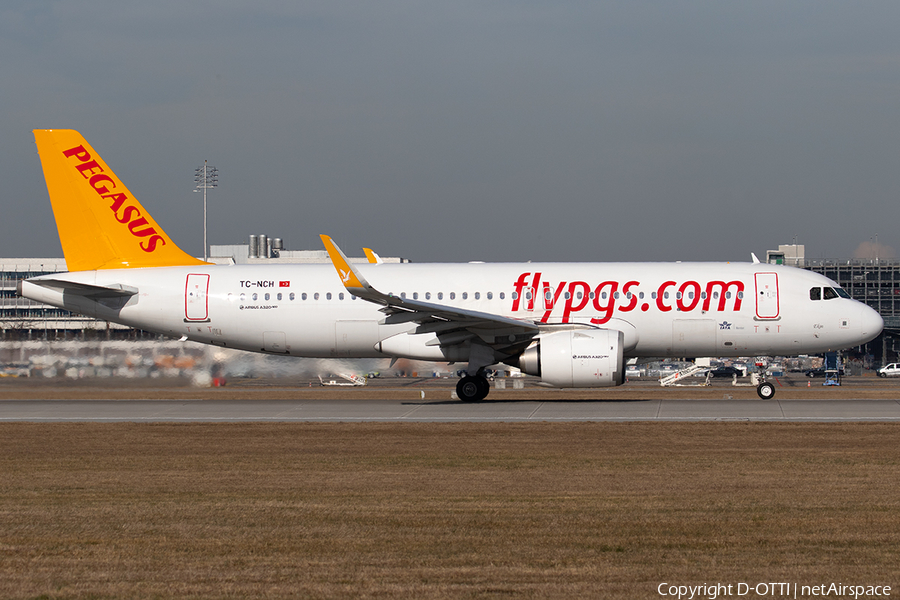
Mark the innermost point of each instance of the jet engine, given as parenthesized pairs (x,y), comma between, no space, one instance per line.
(577,358)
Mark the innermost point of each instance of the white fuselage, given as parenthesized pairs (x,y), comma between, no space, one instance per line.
(663,309)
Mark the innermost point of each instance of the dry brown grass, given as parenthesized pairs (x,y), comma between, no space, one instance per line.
(606,510)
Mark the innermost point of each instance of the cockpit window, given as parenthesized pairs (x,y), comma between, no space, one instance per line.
(830,293)
(842,293)
(815,293)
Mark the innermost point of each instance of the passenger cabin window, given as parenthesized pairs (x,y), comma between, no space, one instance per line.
(815,293)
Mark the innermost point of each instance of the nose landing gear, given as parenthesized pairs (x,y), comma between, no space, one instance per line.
(765,390)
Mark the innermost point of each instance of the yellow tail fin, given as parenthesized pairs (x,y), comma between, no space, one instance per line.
(101,225)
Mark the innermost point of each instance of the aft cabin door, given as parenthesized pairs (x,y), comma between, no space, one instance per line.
(767,296)
(196,304)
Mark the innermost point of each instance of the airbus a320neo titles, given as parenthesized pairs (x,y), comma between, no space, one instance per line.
(571,324)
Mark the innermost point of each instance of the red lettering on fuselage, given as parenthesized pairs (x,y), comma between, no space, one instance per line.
(534,291)
(722,292)
(520,284)
(550,299)
(606,298)
(608,307)
(104,185)
(582,296)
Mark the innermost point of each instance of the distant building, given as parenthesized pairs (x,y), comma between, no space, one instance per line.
(792,255)
(265,250)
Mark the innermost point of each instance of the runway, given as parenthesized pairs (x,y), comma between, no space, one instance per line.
(431,400)
(387,410)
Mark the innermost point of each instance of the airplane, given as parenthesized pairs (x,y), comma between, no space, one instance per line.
(571,324)
(352,380)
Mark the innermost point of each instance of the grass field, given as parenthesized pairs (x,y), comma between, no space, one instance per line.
(603,510)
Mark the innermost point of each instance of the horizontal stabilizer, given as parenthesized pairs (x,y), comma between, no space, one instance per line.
(116,290)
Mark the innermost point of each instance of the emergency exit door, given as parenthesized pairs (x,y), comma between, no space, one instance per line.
(196,304)
(767,296)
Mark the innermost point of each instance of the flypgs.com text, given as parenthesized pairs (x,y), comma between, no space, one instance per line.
(608,296)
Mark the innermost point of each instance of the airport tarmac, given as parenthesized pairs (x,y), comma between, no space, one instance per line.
(429,400)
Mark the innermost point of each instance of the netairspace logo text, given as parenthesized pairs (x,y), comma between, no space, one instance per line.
(712,591)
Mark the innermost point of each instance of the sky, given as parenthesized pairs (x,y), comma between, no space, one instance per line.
(470,130)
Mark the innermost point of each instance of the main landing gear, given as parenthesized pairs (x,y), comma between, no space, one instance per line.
(473,388)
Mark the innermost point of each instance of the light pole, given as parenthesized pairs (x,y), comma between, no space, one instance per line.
(205,178)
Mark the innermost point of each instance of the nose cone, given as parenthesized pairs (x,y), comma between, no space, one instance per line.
(870,323)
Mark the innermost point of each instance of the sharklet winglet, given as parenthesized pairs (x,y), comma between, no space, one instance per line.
(372,256)
(350,277)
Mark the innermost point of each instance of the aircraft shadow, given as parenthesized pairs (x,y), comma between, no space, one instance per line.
(527,401)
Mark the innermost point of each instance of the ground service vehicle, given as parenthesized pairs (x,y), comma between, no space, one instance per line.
(891,370)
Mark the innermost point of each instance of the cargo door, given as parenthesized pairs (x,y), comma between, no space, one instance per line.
(767,306)
(196,303)
(693,337)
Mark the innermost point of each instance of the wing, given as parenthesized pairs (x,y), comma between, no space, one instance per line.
(503,335)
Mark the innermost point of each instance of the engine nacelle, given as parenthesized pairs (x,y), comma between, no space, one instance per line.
(577,358)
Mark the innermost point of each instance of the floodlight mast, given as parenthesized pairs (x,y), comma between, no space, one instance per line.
(205,178)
